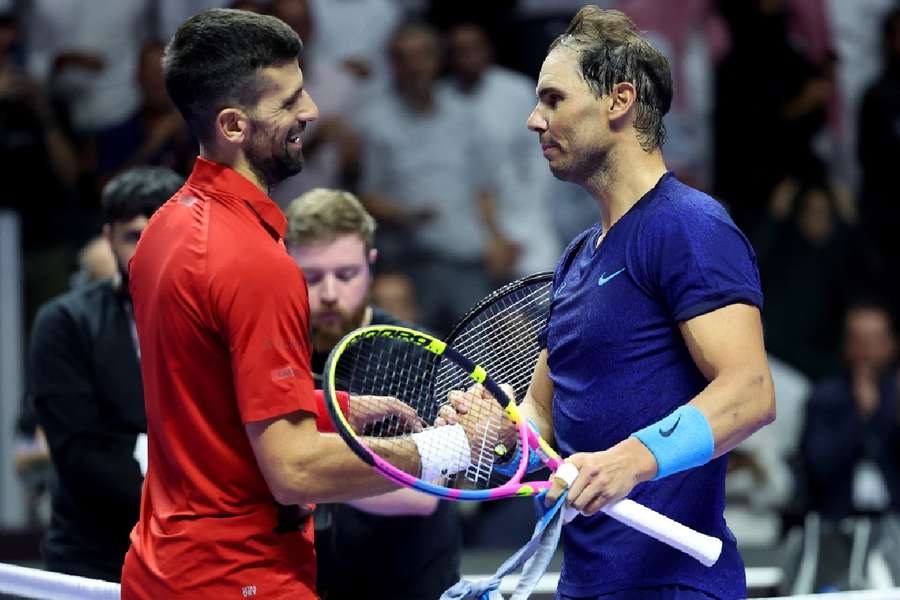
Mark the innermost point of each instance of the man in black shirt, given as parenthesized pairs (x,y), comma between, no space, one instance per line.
(84,383)
(398,545)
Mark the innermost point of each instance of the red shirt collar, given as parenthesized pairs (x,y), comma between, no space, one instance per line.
(221,178)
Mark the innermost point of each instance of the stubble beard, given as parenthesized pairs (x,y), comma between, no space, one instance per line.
(324,338)
(273,167)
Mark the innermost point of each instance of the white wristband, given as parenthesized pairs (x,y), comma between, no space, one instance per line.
(443,451)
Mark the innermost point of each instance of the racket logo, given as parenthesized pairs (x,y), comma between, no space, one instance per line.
(408,336)
(670,431)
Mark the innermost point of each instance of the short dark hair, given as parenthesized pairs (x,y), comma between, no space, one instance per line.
(611,50)
(138,191)
(213,60)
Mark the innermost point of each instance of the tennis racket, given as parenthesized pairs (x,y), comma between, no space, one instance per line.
(455,461)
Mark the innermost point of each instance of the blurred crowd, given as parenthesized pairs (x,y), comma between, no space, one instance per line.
(787,111)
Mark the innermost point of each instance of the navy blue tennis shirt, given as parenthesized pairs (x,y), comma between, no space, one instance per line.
(618,363)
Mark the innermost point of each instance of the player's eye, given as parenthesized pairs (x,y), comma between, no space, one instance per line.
(312,277)
(347,274)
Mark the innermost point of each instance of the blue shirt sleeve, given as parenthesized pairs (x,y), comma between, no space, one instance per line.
(693,257)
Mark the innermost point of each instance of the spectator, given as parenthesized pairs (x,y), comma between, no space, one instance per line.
(809,253)
(879,148)
(157,134)
(354,33)
(85,384)
(330,146)
(851,441)
(859,56)
(38,162)
(88,52)
(427,176)
(790,107)
(502,99)
(330,236)
(689,33)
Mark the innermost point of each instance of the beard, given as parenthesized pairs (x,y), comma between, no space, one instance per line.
(326,335)
(273,160)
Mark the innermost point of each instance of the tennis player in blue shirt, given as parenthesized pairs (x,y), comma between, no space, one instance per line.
(654,366)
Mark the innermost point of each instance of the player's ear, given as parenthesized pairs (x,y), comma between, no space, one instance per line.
(622,97)
(232,125)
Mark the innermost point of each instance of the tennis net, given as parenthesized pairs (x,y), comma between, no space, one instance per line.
(24,583)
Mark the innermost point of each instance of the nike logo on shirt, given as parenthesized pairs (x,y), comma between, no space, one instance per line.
(604,278)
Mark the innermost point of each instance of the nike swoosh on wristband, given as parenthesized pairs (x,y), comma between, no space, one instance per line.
(668,432)
(603,278)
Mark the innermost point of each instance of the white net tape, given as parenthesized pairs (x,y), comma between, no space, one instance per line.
(35,584)
(892,594)
(23,582)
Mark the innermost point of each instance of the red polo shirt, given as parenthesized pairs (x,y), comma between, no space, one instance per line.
(222,316)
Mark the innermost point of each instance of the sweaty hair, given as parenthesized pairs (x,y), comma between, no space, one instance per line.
(322,215)
(138,191)
(213,62)
(611,50)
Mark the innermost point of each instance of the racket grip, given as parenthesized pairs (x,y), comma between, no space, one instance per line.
(704,548)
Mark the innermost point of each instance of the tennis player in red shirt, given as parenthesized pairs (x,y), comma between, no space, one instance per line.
(223,320)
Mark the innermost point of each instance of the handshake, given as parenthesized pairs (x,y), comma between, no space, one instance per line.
(469,429)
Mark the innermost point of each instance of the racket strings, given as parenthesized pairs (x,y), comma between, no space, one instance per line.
(508,331)
(499,339)
(503,339)
(379,366)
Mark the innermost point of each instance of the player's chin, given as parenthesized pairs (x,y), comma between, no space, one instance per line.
(559,171)
(294,164)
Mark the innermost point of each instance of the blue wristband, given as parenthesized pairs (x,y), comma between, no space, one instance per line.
(508,468)
(680,441)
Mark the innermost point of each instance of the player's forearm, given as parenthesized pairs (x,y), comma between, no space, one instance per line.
(538,403)
(736,404)
(397,503)
(326,470)
(536,413)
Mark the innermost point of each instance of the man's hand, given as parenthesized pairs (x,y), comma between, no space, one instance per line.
(478,412)
(365,410)
(500,257)
(606,476)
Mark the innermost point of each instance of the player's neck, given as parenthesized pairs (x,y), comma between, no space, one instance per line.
(626,176)
(236,160)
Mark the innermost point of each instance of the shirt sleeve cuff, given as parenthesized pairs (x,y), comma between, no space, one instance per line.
(323,420)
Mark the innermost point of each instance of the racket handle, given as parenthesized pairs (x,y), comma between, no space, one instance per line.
(704,548)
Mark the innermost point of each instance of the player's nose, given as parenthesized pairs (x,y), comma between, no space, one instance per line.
(536,121)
